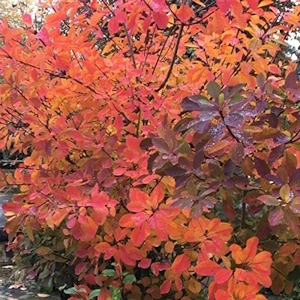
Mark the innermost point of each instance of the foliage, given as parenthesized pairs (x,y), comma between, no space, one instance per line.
(136,197)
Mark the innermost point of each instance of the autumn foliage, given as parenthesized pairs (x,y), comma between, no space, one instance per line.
(162,142)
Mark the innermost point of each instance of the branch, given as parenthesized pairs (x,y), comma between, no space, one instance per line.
(130,46)
(173,59)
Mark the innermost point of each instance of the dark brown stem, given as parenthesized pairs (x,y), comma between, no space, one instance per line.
(130,46)
(173,59)
(243,217)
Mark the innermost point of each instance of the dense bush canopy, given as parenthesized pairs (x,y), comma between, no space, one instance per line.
(162,142)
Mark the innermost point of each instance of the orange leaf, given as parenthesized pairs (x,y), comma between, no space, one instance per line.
(138,200)
(181,264)
(139,234)
(59,216)
(184,13)
(252,268)
(169,247)
(88,228)
(241,256)
(127,221)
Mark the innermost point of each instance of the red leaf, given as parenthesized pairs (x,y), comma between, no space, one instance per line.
(224,5)
(120,234)
(253,4)
(27,19)
(119,171)
(166,286)
(184,13)
(178,283)
(158,267)
(9,207)
(223,275)
(181,264)
(44,36)
(88,228)
(80,267)
(144,263)
(113,25)
(161,19)
(98,200)
(207,268)
(129,254)
(73,192)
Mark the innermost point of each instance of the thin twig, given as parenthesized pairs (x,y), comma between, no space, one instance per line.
(130,46)
(173,59)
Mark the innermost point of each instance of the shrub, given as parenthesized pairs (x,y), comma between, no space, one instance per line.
(133,195)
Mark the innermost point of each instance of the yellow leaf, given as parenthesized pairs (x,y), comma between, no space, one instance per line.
(194,286)
(29,232)
(285,193)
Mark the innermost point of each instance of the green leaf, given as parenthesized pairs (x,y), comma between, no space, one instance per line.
(129,279)
(115,293)
(94,293)
(71,291)
(214,89)
(109,272)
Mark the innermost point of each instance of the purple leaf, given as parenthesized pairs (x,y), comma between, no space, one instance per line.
(261,80)
(184,124)
(234,120)
(217,132)
(261,167)
(213,89)
(244,137)
(275,179)
(146,143)
(295,205)
(206,115)
(161,145)
(281,138)
(295,177)
(291,81)
(175,171)
(198,103)
(268,200)
(276,153)
(273,120)
(236,153)
(198,159)
(183,203)
(275,216)
(201,127)
(231,91)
